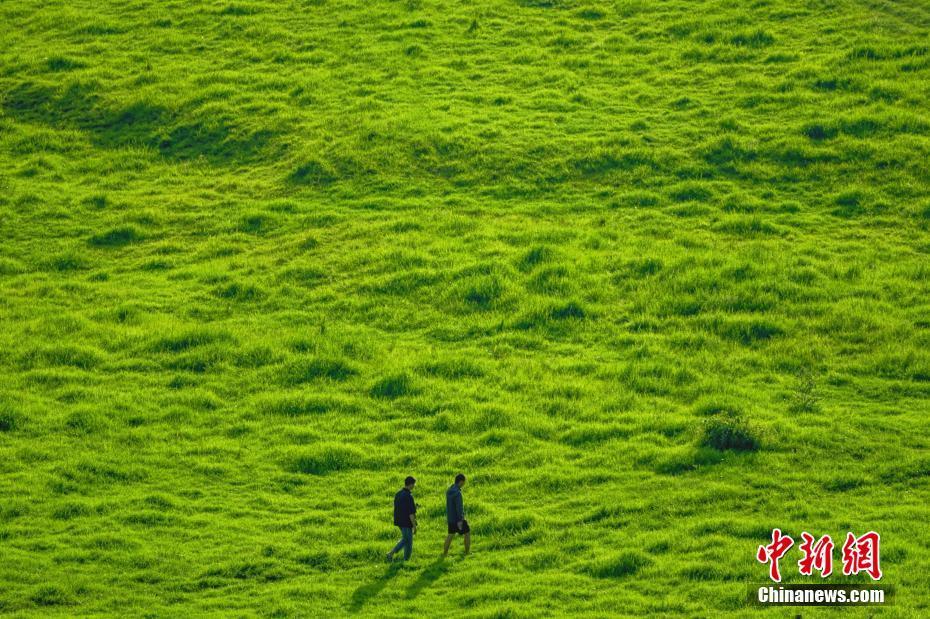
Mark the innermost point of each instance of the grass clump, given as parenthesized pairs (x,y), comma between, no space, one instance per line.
(453,369)
(392,387)
(326,459)
(51,595)
(116,237)
(748,331)
(620,565)
(729,432)
(568,311)
(305,371)
(534,257)
(84,421)
(66,355)
(483,292)
(688,459)
(10,419)
(68,262)
(187,339)
(313,173)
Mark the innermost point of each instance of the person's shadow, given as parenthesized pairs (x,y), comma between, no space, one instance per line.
(430,574)
(366,592)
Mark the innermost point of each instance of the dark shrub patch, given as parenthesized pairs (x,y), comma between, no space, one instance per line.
(644,267)
(318,560)
(9,419)
(726,152)
(50,595)
(392,387)
(567,311)
(257,357)
(689,193)
(84,421)
(313,173)
(820,132)
(552,317)
(256,223)
(483,292)
(747,332)
(238,292)
(909,470)
(850,204)
(116,237)
(183,341)
(723,432)
(69,511)
(623,564)
(757,38)
(326,460)
(320,368)
(237,10)
(534,256)
(60,63)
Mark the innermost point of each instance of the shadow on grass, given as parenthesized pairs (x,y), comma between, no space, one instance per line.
(364,593)
(178,134)
(430,574)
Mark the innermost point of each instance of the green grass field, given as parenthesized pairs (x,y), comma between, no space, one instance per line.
(654,275)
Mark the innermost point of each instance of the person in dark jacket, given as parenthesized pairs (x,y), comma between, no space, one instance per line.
(455,515)
(405,518)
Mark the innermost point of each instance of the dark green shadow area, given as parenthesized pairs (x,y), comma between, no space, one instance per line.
(427,577)
(366,592)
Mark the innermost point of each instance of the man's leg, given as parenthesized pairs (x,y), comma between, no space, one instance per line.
(397,546)
(467,542)
(408,541)
(445,549)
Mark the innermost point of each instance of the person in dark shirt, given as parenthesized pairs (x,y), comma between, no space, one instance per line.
(455,515)
(405,517)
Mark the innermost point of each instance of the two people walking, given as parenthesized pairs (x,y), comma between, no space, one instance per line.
(405,510)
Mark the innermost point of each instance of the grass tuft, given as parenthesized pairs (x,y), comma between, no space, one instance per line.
(10,419)
(313,173)
(729,432)
(116,237)
(326,459)
(51,595)
(619,565)
(305,371)
(392,387)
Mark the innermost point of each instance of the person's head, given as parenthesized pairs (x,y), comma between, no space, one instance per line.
(410,482)
(459,480)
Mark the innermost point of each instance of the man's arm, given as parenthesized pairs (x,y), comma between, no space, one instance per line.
(460,509)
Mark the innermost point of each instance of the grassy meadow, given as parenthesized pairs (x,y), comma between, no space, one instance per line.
(654,275)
